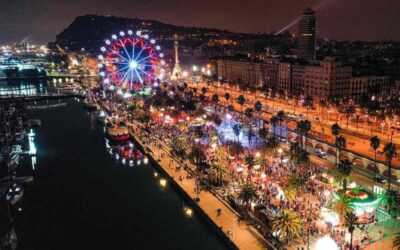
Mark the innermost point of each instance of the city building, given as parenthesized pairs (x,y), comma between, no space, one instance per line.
(234,70)
(306,36)
(364,84)
(271,72)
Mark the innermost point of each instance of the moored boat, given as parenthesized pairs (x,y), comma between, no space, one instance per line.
(117,131)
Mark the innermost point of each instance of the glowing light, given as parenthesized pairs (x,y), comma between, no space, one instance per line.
(195,68)
(145,160)
(326,243)
(102,73)
(121,33)
(163,182)
(155,174)
(103,49)
(114,37)
(138,33)
(133,65)
(158,47)
(100,57)
(258,154)
(152,41)
(185,74)
(146,36)
(189,211)
(263,175)
(100,65)
(161,55)
(130,32)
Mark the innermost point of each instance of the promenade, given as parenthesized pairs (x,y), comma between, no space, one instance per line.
(240,234)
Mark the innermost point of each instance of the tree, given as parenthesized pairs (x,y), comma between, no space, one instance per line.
(227,97)
(294,151)
(272,144)
(396,241)
(197,155)
(335,129)
(281,118)
(341,172)
(389,200)
(351,219)
(236,130)
(249,160)
(308,102)
(250,134)
(247,194)
(219,171)
(375,143)
(258,109)
(236,148)
(303,127)
(202,97)
(215,99)
(287,225)
(263,134)
(204,90)
(231,108)
(340,144)
(180,146)
(343,206)
(274,121)
(389,150)
(241,100)
(248,112)
(349,112)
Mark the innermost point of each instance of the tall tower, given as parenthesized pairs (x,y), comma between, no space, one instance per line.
(177,71)
(307,39)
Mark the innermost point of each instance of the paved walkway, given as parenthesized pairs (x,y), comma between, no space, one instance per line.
(243,236)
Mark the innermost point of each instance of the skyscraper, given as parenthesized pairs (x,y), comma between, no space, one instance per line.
(307,27)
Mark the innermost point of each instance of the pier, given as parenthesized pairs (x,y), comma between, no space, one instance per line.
(238,235)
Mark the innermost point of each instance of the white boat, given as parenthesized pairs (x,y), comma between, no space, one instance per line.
(14,193)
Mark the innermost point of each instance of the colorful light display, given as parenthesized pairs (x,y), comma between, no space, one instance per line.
(129,62)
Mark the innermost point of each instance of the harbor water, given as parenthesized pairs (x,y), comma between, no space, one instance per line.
(82,198)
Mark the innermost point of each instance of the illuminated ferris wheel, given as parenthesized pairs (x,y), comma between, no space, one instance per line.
(130,61)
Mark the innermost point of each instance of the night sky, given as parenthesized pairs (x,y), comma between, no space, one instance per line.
(40,20)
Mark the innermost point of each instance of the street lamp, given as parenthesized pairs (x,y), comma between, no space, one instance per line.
(195,68)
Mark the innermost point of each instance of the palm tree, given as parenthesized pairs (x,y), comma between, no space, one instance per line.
(263,134)
(236,148)
(350,219)
(180,146)
(241,100)
(274,121)
(304,126)
(231,108)
(396,241)
(202,97)
(272,144)
(247,194)
(335,129)
(389,150)
(219,171)
(340,144)
(227,97)
(375,143)
(236,130)
(343,206)
(215,99)
(258,109)
(250,134)
(248,112)
(294,151)
(249,160)
(341,172)
(389,200)
(281,118)
(204,90)
(349,112)
(197,155)
(308,102)
(287,225)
